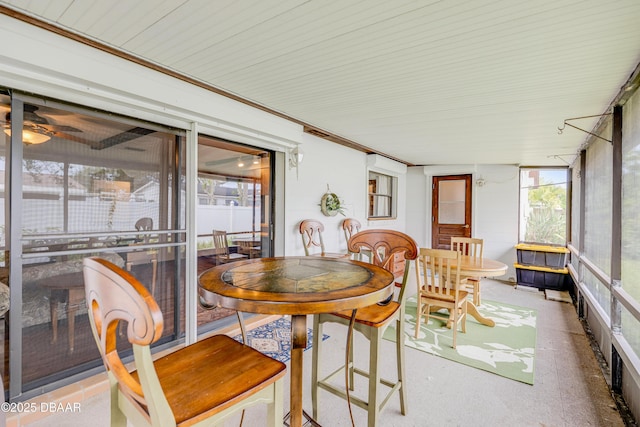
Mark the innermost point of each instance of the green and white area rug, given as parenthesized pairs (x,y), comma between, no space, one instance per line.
(507,349)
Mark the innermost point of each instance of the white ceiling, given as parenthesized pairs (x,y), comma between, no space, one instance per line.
(426,82)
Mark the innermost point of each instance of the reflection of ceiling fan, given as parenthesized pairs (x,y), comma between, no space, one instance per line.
(37,129)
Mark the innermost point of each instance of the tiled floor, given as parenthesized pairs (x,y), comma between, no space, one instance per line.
(569,389)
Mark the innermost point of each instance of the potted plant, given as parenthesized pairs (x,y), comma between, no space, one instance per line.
(330,204)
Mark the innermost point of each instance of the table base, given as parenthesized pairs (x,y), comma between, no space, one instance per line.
(472,311)
(309,421)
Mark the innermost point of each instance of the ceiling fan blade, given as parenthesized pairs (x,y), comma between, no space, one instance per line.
(30,116)
(61,128)
(74,138)
(125,136)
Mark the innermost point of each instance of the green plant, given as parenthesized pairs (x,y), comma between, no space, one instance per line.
(205,244)
(330,205)
(546,225)
(546,221)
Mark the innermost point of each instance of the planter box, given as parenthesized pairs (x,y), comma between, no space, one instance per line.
(542,277)
(542,256)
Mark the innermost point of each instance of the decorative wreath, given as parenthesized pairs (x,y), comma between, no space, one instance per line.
(330,204)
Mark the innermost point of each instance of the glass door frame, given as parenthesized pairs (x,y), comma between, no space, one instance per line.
(14,241)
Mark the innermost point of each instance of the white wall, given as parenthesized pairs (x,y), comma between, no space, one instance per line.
(325,163)
(345,171)
(496,213)
(418,215)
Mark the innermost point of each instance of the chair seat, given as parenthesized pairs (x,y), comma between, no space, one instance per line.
(251,251)
(231,257)
(448,296)
(217,373)
(375,315)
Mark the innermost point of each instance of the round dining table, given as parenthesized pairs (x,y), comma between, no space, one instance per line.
(295,286)
(480,267)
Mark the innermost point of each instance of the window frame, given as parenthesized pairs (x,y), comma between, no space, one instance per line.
(567,206)
(392,197)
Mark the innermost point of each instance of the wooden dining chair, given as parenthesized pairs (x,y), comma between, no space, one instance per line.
(474,248)
(311,231)
(371,322)
(440,287)
(144,224)
(144,256)
(249,248)
(350,226)
(221,248)
(200,384)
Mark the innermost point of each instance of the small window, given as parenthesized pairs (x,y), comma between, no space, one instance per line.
(543,205)
(382,199)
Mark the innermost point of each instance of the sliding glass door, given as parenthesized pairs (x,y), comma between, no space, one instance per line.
(234,208)
(84,183)
(78,182)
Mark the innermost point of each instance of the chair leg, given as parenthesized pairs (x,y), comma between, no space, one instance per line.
(400,361)
(464,318)
(274,409)
(118,418)
(351,366)
(374,388)
(315,362)
(373,407)
(71,324)
(418,316)
(427,313)
(154,265)
(456,313)
(53,307)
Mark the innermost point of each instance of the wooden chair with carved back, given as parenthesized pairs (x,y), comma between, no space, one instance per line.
(311,231)
(200,384)
(351,226)
(371,322)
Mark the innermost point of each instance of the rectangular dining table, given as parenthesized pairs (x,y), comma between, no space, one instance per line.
(295,286)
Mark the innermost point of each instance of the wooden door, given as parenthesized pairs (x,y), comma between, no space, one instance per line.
(451,209)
